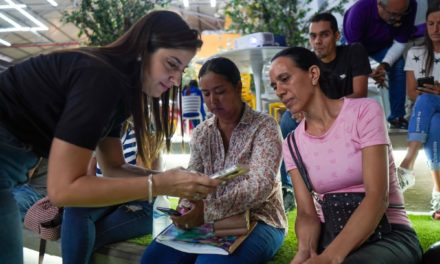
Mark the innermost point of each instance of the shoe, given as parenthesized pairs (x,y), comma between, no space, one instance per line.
(398,123)
(288,199)
(436,215)
(406,178)
(435,202)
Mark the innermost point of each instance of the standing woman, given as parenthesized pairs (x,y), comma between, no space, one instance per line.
(67,104)
(345,148)
(424,124)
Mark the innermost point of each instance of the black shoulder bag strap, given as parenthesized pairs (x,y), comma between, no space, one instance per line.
(298,161)
(301,167)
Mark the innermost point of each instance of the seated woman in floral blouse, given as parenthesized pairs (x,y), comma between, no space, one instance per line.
(234,135)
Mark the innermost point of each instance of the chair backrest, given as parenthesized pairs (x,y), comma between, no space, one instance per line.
(191,105)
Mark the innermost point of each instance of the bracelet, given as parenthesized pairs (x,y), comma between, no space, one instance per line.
(150,188)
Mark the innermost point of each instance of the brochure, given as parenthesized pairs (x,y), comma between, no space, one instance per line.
(200,240)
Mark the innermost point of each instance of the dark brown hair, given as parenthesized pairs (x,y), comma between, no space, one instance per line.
(304,59)
(433,7)
(152,117)
(222,66)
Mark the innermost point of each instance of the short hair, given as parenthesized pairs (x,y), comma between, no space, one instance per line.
(328,17)
(222,66)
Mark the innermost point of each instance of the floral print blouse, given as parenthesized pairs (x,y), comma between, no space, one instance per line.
(256,142)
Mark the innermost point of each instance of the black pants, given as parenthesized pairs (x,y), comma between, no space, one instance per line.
(401,246)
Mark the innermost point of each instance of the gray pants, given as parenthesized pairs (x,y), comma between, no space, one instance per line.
(400,246)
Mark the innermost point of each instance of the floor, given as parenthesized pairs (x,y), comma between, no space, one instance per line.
(31,257)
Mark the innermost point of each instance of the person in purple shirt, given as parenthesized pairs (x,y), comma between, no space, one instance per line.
(384,27)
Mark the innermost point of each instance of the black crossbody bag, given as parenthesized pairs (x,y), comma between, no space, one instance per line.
(336,207)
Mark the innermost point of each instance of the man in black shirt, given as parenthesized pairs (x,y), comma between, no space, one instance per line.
(348,62)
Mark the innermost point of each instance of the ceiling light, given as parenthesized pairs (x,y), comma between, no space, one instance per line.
(4,42)
(213,3)
(186,3)
(9,20)
(16,26)
(5,58)
(12,6)
(52,2)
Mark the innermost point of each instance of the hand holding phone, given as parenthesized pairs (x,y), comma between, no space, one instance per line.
(230,173)
(424,80)
(169,211)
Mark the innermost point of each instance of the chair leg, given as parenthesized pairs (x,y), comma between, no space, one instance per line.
(42,250)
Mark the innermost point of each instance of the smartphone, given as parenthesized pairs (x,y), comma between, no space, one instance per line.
(230,173)
(424,80)
(169,211)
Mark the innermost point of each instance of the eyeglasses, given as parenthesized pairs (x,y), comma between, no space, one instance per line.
(392,15)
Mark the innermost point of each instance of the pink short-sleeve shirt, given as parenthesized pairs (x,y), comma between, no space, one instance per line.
(334,159)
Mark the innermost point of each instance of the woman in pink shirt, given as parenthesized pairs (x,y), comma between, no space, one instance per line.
(345,148)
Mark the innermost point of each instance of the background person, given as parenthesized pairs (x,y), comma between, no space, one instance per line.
(384,27)
(66,104)
(234,135)
(345,147)
(424,125)
(193,89)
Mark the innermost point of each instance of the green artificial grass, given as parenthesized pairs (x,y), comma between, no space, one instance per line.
(427,230)
(287,251)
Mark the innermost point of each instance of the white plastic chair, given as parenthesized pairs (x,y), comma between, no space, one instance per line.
(191,105)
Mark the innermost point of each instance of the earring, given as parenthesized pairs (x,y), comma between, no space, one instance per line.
(139,58)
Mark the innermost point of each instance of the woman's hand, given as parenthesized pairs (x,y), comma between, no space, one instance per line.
(302,256)
(194,217)
(429,88)
(322,259)
(183,183)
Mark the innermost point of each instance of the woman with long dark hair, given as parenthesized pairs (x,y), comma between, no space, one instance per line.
(424,126)
(66,104)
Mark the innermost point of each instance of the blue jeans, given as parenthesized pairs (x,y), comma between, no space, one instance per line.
(396,85)
(424,126)
(260,247)
(16,159)
(26,196)
(84,230)
(287,124)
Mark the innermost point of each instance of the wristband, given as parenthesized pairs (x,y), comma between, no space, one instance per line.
(150,188)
